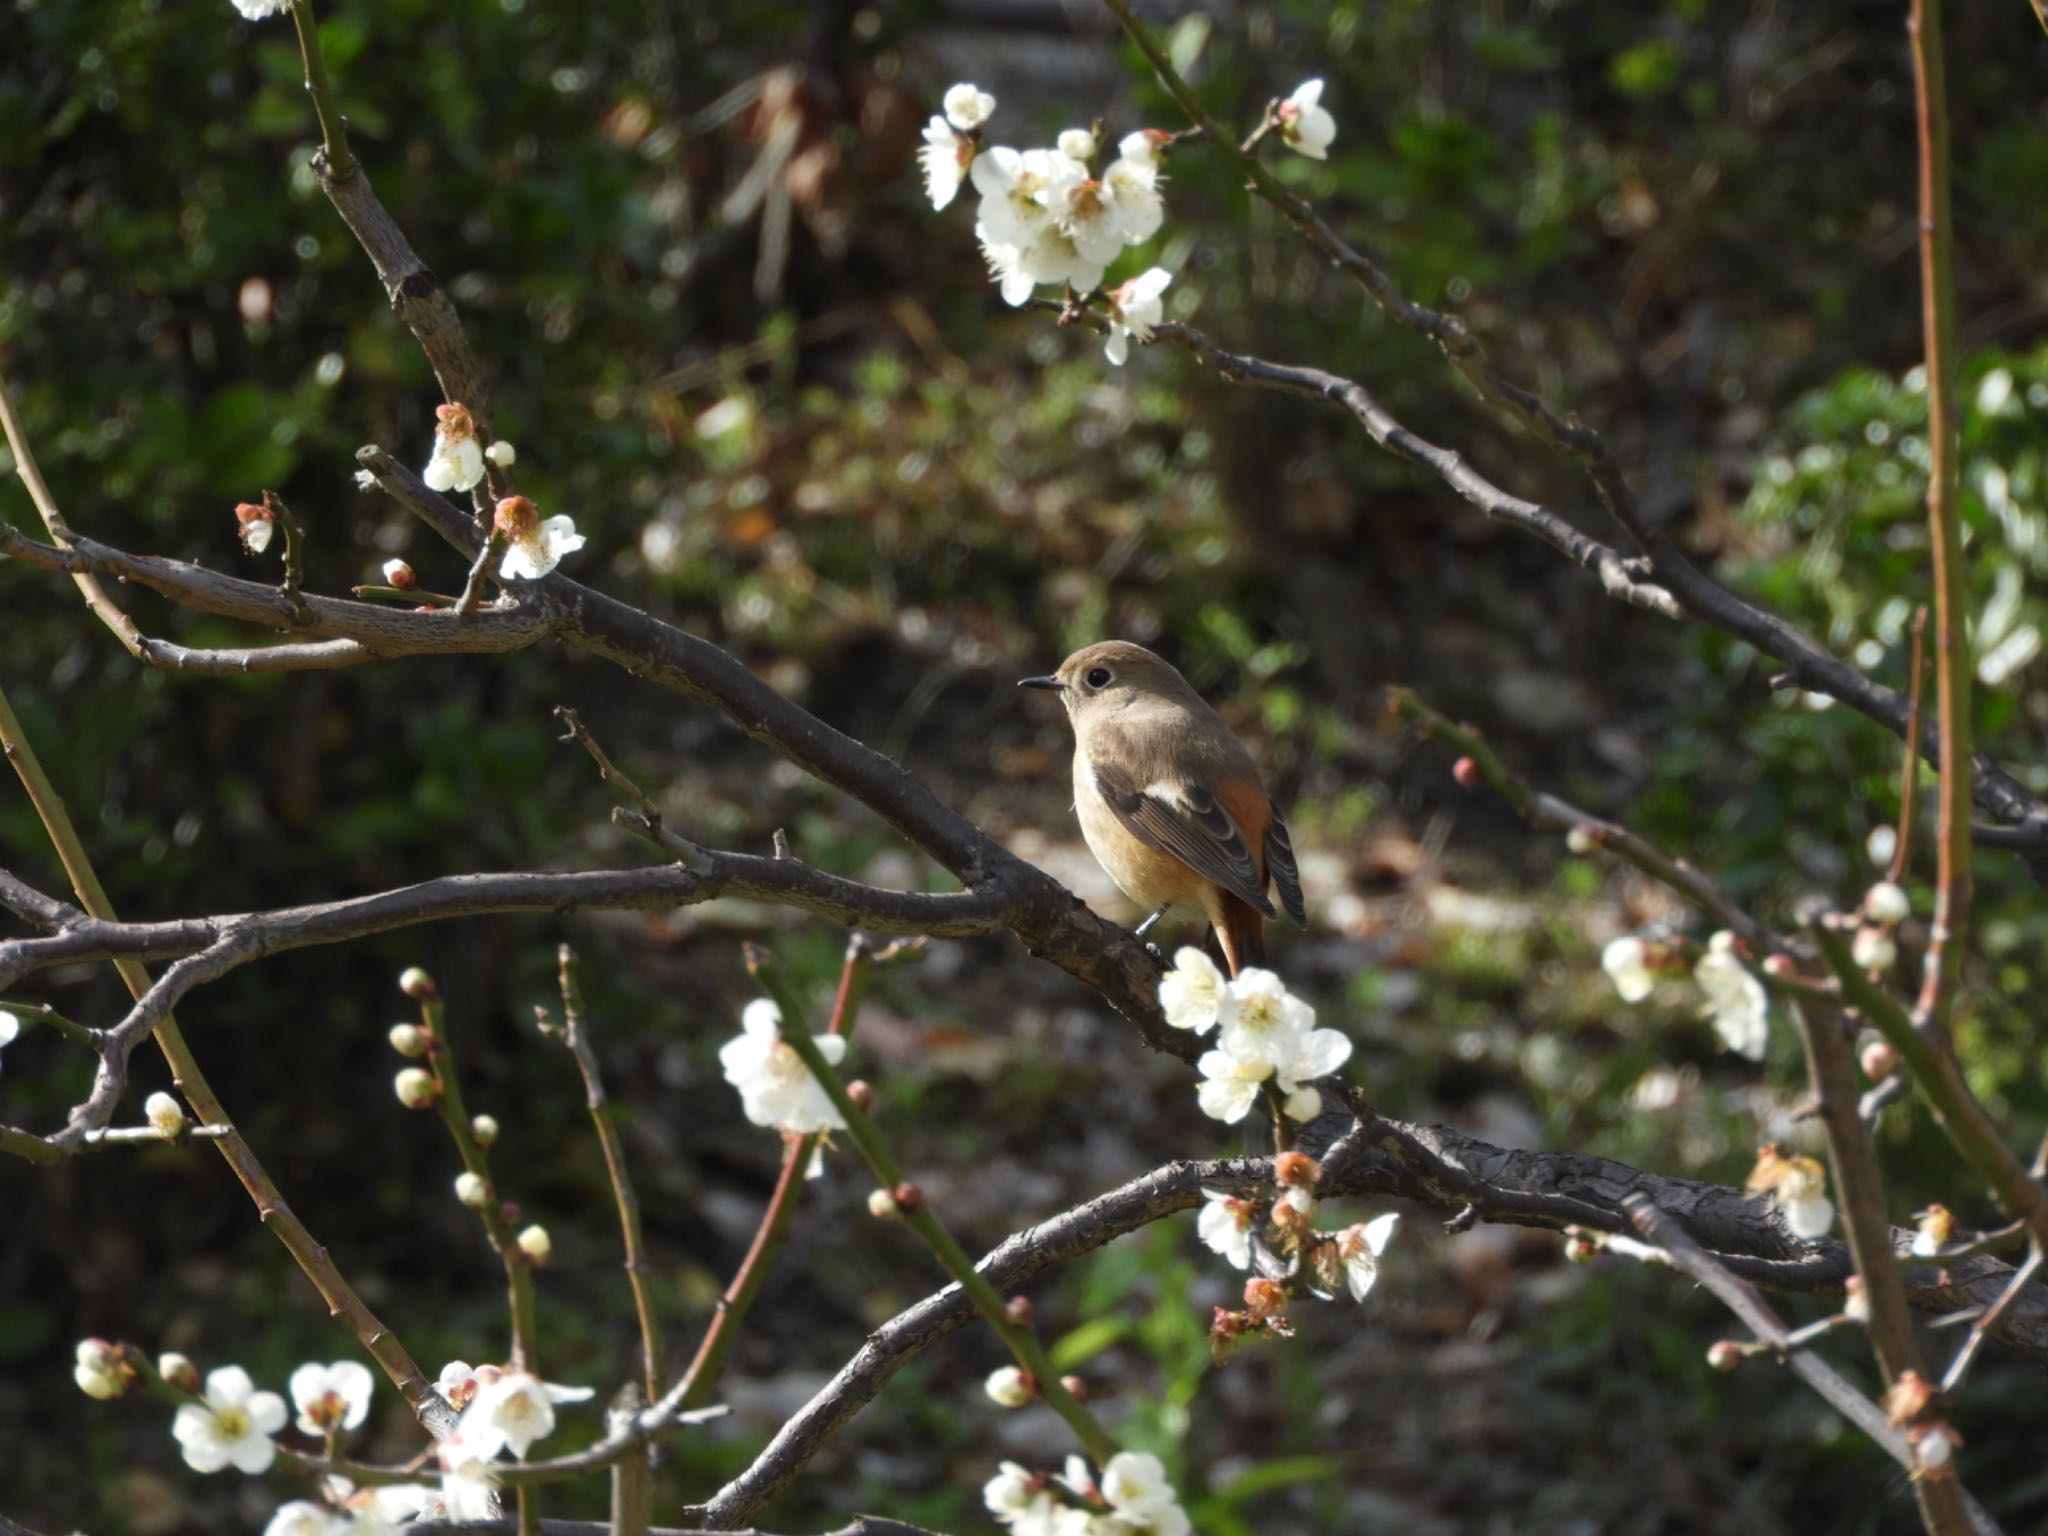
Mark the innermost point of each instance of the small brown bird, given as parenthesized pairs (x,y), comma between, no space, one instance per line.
(1169,800)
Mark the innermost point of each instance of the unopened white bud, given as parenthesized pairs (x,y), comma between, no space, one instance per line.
(484,1128)
(1303,1104)
(502,454)
(178,1370)
(1580,842)
(410,1040)
(1077,143)
(100,1371)
(1009,1387)
(1934,1449)
(882,1205)
(472,1191)
(535,1243)
(400,575)
(1886,903)
(1873,949)
(165,1114)
(416,1088)
(415,983)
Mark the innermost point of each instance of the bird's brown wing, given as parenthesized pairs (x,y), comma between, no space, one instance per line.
(1285,872)
(1185,820)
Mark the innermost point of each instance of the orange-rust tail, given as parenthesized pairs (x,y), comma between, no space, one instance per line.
(1240,938)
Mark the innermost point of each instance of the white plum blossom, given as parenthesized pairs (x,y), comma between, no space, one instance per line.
(1261,1018)
(1230,1086)
(459,1383)
(1799,1186)
(365,481)
(458,459)
(1140,1497)
(1022,1501)
(512,1412)
(1305,123)
(1192,992)
(10,1027)
(1225,1227)
(776,1088)
(1018,190)
(1733,999)
(303,1518)
(468,1487)
(967,106)
(1626,962)
(256,525)
(256,10)
(379,1511)
(1021,195)
(232,1427)
(533,548)
(1360,1247)
(1267,1032)
(331,1397)
(1133,181)
(166,1116)
(944,159)
(1135,307)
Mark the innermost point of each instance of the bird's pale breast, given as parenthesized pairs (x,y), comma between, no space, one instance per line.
(1149,876)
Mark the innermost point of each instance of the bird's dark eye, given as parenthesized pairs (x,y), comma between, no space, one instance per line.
(1098,677)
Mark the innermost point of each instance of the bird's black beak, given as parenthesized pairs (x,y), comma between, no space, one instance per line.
(1041,682)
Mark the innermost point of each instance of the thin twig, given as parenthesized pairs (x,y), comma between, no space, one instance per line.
(1909,772)
(497,1223)
(1944,523)
(1742,1299)
(1959,1368)
(702,1377)
(639,1271)
(1860,1187)
(1956,1107)
(379,1341)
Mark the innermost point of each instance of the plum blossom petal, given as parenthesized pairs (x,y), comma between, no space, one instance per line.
(1225,1227)
(331,1397)
(1305,123)
(776,1088)
(1192,991)
(232,1426)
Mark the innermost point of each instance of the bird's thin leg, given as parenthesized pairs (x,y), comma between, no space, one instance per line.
(1146,925)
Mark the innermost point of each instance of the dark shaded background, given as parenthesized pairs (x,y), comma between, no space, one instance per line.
(840,456)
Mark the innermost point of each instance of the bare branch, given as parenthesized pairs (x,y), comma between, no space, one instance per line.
(1744,1302)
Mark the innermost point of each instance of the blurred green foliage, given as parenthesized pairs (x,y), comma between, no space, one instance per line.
(850,464)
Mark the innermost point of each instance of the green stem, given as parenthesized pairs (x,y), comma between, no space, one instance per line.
(333,126)
(342,1301)
(518,1270)
(1944,522)
(733,1306)
(639,1271)
(1022,1342)
(1934,1072)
